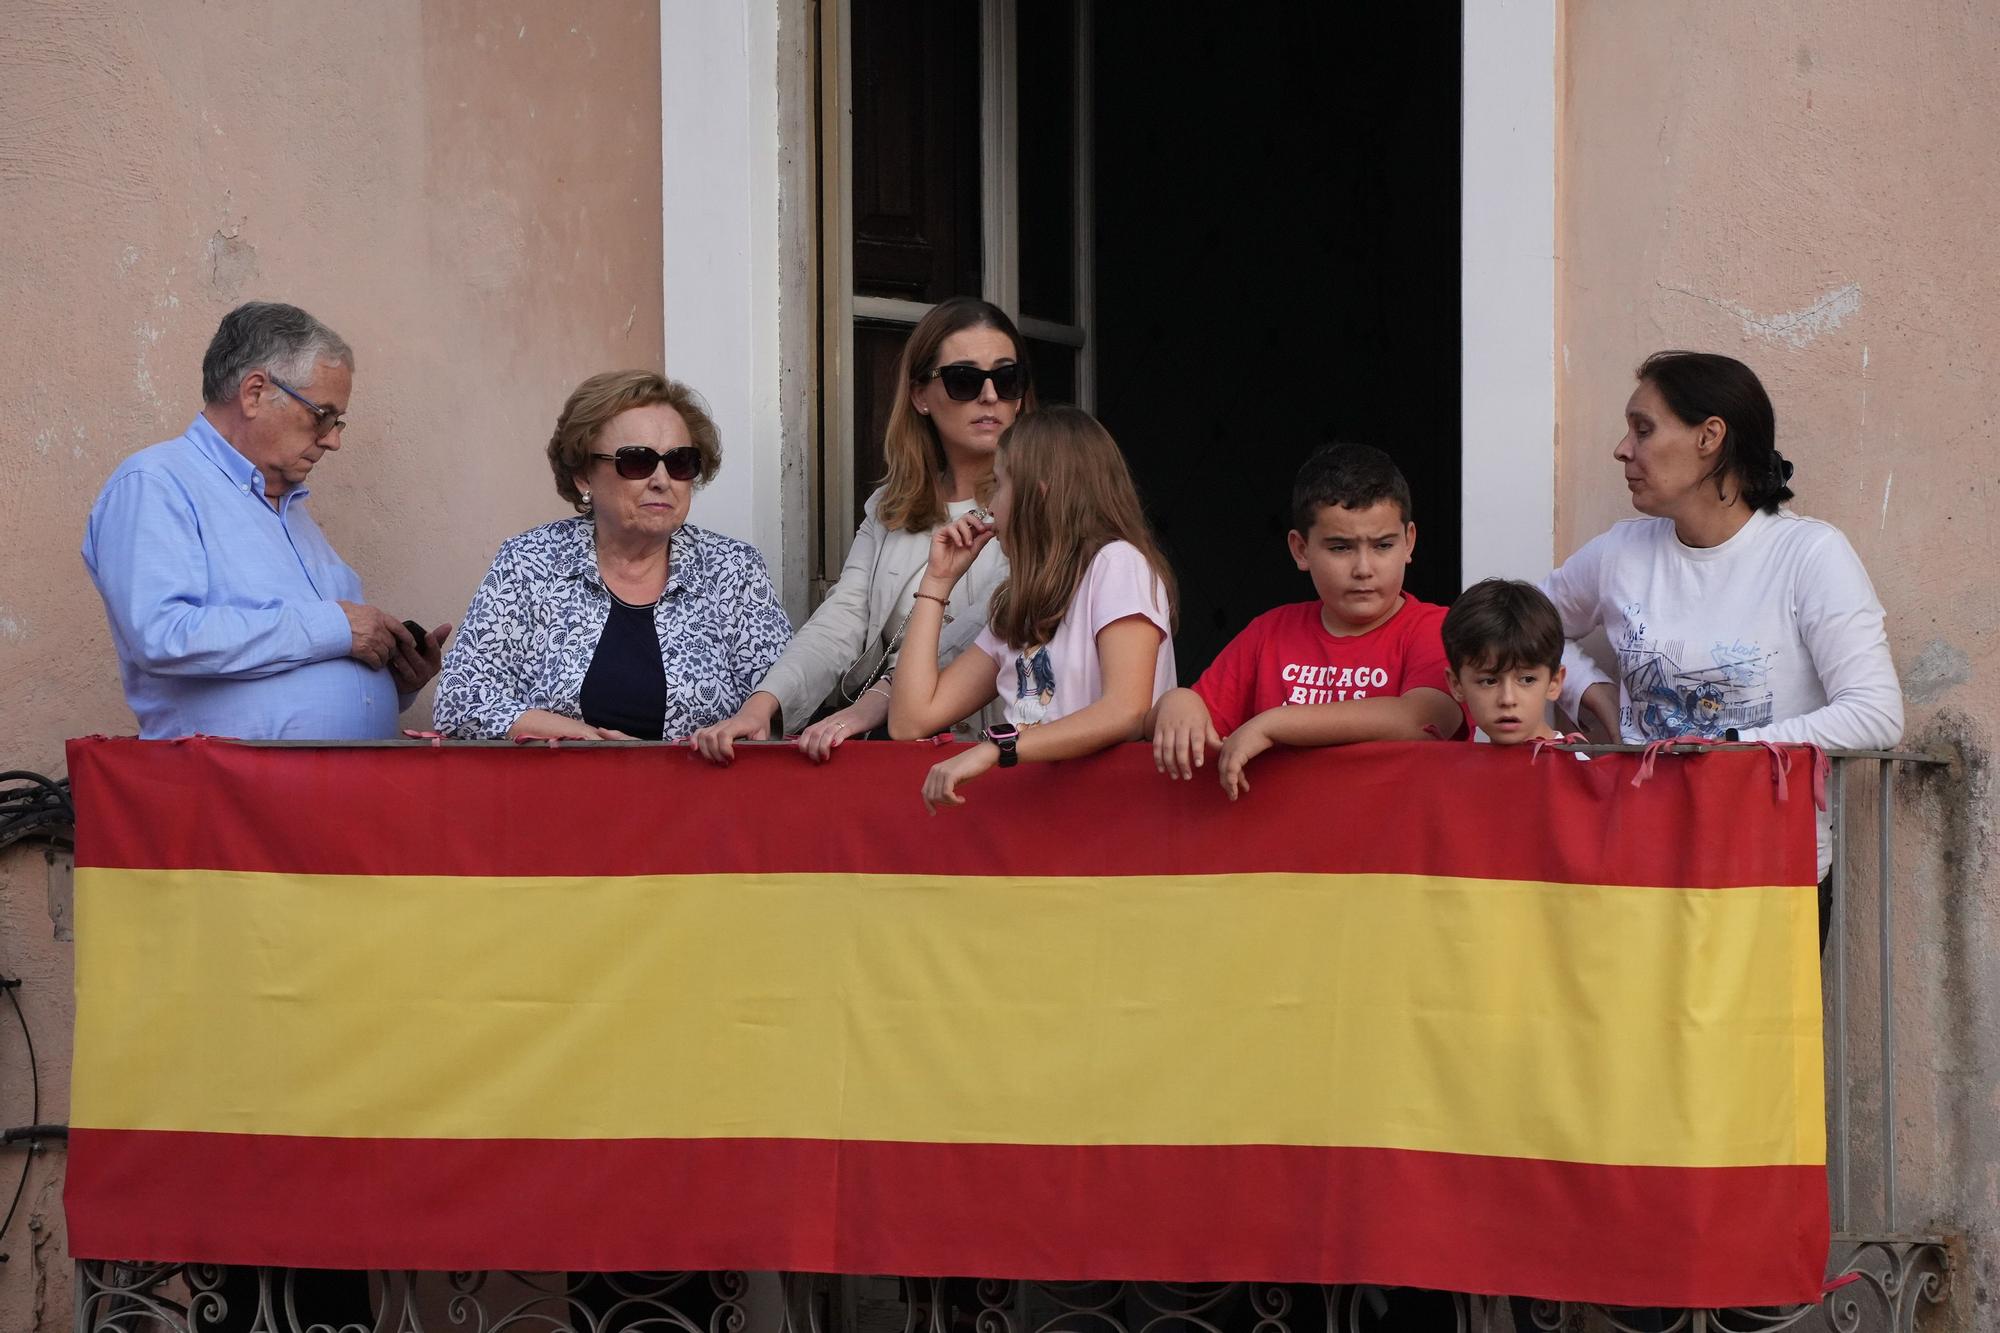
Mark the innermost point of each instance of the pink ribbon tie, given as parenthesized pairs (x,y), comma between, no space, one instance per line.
(1541,743)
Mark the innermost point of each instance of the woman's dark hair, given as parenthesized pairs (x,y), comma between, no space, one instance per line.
(1700,385)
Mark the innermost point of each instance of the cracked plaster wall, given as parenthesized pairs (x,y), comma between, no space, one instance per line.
(469,192)
(1808,186)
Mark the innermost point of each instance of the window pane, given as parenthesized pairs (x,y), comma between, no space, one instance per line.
(877,346)
(916,150)
(1046,56)
(1054,366)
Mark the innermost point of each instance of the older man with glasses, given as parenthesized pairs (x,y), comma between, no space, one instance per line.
(230,611)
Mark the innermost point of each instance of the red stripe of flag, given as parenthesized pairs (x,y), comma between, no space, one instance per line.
(1636,1235)
(628,811)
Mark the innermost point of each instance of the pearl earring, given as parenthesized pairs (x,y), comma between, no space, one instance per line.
(586,499)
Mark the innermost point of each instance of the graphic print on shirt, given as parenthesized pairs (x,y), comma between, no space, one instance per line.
(1674,690)
(1313,683)
(1034,688)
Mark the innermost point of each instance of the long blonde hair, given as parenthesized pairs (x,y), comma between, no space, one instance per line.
(912,496)
(1072,497)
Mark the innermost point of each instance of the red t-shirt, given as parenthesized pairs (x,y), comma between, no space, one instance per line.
(1285,656)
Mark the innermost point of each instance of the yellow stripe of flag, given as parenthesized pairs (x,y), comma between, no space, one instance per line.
(1496,1018)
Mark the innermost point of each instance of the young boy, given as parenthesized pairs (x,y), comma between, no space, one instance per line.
(1503,646)
(1363,663)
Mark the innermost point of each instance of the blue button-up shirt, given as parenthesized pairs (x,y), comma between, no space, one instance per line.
(223,606)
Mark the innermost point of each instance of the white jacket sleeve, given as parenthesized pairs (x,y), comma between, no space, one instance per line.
(833,636)
(1840,622)
(1575,589)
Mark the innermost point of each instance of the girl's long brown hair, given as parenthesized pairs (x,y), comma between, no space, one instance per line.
(1073,496)
(912,497)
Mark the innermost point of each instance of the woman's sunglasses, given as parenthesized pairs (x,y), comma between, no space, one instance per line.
(963,383)
(635,462)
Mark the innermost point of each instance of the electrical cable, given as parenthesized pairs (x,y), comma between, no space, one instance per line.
(39,807)
(35,1098)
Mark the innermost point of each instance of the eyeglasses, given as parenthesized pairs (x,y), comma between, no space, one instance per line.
(326,417)
(635,462)
(963,383)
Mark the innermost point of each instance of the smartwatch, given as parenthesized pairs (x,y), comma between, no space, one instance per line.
(1003,737)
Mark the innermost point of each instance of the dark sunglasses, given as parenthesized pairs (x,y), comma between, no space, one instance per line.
(635,462)
(326,418)
(964,383)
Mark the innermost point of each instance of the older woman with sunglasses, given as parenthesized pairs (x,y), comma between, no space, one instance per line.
(627,621)
(964,378)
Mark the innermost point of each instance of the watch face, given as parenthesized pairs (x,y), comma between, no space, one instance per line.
(1002,738)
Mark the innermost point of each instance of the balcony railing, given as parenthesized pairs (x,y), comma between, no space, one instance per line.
(1887,1278)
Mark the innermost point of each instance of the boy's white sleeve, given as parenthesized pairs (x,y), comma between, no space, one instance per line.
(1574,587)
(1840,621)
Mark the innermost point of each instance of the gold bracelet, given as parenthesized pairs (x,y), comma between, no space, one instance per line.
(941,601)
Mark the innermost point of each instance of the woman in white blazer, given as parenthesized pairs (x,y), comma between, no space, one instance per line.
(965,378)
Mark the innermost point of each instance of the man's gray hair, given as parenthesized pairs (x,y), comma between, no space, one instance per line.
(280,340)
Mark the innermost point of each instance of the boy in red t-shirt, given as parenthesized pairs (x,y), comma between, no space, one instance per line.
(1363,663)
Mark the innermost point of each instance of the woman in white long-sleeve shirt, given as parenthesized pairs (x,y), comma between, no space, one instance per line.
(1730,615)
(961,381)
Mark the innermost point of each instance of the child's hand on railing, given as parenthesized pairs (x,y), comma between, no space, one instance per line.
(1244,744)
(1183,734)
(941,783)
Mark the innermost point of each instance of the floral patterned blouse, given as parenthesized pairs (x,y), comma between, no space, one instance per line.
(533,626)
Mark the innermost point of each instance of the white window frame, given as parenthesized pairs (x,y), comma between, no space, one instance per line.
(1507,292)
(730,211)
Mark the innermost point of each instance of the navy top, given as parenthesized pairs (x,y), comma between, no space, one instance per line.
(626,686)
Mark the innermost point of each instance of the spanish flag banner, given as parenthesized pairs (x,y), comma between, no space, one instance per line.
(1437,1015)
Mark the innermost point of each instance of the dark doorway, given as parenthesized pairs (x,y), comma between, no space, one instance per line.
(1277,266)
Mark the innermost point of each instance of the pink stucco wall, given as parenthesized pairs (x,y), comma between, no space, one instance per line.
(1809,187)
(468,192)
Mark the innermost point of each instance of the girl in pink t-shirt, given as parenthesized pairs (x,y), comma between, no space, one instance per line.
(1078,639)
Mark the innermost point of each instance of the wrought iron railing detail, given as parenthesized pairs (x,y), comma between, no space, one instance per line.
(1895,1283)
(203,1298)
